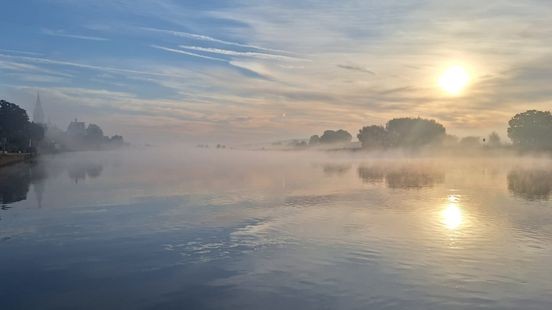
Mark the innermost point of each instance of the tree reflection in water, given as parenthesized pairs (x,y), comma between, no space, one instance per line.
(80,171)
(531,184)
(15,181)
(403,176)
(14,184)
(336,169)
(371,174)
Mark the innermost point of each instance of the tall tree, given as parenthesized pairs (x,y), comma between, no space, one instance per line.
(373,137)
(94,136)
(531,130)
(414,132)
(16,131)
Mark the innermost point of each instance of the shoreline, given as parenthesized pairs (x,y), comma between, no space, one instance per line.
(12,159)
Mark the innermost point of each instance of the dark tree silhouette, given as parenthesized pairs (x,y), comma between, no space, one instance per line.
(414,132)
(531,130)
(13,125)
(373,137)
(339,136)
(15,129)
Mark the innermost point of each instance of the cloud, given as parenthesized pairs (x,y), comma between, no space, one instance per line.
(18,67)
(356,68)
(240,54)
(48,61)
(248,69)
(61,33)
(187,53)
(19,52)
(39,78)
(200,37)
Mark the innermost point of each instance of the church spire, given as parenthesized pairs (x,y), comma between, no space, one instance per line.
(38,113)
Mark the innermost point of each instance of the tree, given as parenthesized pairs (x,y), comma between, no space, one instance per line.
(414,132)
(531,130)
(81,137)
(94,136)
(15,129)
(117,141)
(314,140)
(94,132)
(373,136)
(298,143)
(494,140)
(339,136)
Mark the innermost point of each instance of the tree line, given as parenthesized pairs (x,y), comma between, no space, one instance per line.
(19,135)
(530,130)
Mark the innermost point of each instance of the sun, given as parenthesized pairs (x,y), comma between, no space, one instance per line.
(454,80)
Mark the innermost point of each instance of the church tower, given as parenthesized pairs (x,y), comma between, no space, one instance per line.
(38,112)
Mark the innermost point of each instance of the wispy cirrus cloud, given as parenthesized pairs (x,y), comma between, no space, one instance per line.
(40,78)
(227,52)
(201,37)
(172,50)
(48,61)
(356,68)
(62,33)
(19,52)
(253,71)
(21,68)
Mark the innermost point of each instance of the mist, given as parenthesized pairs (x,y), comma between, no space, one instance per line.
(275,155)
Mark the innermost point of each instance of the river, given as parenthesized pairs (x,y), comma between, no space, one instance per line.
(228,229)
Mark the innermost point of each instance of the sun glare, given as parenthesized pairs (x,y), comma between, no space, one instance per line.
(452,216)
(454,80)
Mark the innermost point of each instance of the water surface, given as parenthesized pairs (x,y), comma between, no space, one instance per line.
(224,229)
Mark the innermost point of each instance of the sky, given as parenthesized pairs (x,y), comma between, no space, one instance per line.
(252,70)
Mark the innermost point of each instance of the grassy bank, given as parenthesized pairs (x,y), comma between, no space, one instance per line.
(9,159)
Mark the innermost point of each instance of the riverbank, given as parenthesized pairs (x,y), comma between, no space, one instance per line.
(10,159)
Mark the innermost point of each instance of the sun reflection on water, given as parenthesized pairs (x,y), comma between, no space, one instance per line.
(452,216)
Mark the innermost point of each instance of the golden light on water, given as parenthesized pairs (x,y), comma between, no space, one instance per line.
(451,216)
(454,80)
